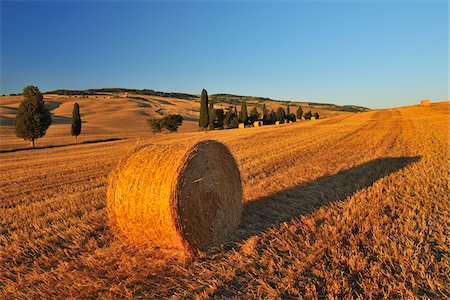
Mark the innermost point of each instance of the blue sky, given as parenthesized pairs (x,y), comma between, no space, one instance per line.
(371,53)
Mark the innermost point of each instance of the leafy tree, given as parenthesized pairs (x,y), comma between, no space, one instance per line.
(227,118)
(281,115)
(212,116)
(220,116)
(204,111)
(76,121)
(33,118)
(292,117)
(243,116)
(308,115)
(316,115)
(171,122)
(235,122)
(271,117)
(254,115)
(155,125)
(299,113)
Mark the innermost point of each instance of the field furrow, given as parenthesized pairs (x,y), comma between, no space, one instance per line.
(346,207)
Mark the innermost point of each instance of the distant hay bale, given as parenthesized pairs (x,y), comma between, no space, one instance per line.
(425,103)
(277,122)
(257,124)
(241,125)
(182,196)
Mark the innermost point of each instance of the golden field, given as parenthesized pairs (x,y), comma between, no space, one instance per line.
(114,116)
(351,206)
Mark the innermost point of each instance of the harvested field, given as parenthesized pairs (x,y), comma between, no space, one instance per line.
(345,207)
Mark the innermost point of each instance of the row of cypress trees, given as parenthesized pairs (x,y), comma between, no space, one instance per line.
(211,118)
(33,118)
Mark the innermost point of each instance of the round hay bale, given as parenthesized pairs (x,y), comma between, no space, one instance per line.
(186,195)
(425,103)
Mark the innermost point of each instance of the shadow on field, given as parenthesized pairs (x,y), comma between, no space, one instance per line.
(63,145)
(261,214)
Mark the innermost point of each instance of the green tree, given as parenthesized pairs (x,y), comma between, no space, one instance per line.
(299,113)
(212,116)
(308,115)
(243,117)
(254,115)
(33,118)
(204,111)
(155,125)
(288,114)
(227,118)
(220,116)
(281,115)
(265,112)
(235,122)
(271,117)
(171,122)
(292,117)
(316,115)
(76,121)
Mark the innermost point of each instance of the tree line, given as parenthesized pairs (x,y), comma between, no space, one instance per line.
(211,118)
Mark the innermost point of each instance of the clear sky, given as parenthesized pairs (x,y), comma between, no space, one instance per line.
(370,53)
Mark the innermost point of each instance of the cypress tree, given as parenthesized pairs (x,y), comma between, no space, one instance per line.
(212,115)
(316,115)
(76,121)
(288,113)
(33,118)
(204,113)
(299,113)
(244,116)
(265,113)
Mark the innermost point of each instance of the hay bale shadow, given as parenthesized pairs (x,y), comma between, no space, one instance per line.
(262,214)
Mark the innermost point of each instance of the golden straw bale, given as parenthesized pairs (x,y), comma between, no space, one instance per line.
(241,125)
(425,103)
(277,122)
(257,124)
(182,196)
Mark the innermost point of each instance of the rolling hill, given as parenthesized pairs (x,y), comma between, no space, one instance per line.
(122,113)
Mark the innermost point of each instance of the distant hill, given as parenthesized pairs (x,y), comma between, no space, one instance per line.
(237,99)
(122,90)
(216,98)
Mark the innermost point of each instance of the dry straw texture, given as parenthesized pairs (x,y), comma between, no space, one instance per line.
(320,220)
(176,196)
